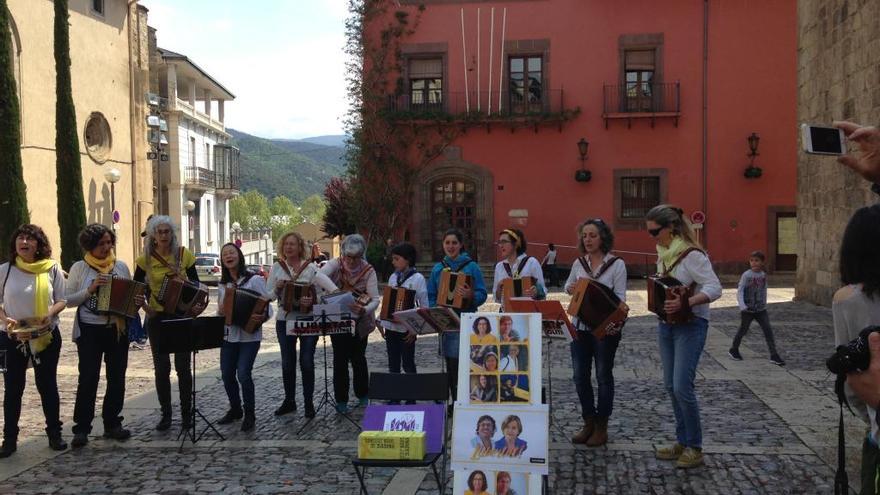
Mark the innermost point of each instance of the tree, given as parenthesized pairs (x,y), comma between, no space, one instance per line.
(283,210)
(338,219)
(68,169)
(13,205)
(251,211)
(313,209)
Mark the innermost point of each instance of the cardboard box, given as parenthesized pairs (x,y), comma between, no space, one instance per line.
(392,445)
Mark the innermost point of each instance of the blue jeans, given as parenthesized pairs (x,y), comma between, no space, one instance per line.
(400,351)
(583,351)
(307,345)
(680,350)
(237,361)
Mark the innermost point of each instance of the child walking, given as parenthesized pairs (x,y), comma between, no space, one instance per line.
(752,298)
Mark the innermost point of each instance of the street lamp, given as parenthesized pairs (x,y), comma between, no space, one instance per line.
(753,172)
(266,238)
(190,206)
(583,175)
(112,176)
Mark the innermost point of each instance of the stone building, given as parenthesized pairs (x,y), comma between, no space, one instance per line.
(838,78)
(109,64)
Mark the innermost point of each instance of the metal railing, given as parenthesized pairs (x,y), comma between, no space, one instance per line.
(639,264)
(510,104)
(227,167)
(642,98)
(200,176)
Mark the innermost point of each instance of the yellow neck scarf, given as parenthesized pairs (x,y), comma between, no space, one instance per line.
(40,268)
(667,256)
(105,266)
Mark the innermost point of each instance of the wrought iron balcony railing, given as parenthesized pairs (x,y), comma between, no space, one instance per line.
(472,105)
(642,100)
(200,177)
(227,167)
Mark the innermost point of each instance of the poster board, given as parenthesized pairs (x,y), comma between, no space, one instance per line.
(467,481)
(501,438)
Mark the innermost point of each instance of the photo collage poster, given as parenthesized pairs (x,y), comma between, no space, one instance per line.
(500,358)
(501,438)
(482,481)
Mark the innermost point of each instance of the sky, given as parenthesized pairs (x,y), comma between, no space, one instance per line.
(282,59)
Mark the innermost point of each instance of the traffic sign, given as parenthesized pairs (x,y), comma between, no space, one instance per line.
(698,217)
(238,243)
(115,216)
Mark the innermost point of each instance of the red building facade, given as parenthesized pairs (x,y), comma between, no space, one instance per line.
(665,93)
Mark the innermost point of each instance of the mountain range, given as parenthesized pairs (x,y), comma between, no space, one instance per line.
(287,167)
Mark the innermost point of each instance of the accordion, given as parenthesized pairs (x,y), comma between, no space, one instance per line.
(662,288)
(239,305)
(597,306)
(446,295)
(117,297)
(179,297)
(396,299)
(292,294)
(27,329)
(515,287)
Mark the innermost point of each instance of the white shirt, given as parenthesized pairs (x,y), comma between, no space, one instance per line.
(415,282)
(20,289)
(509,363)
(532,268)
(696,267)
(235,333)
(333,266)
(614,278)
(549,258)
(79,279)
(311,274)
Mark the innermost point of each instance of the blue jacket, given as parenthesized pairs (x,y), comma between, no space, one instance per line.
(463,264)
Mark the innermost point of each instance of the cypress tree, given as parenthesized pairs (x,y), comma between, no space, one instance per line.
(13,203)
(68,169)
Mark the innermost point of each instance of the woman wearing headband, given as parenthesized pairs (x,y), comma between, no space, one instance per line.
(515,263)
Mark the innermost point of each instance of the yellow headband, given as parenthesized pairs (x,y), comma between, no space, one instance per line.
(511,234)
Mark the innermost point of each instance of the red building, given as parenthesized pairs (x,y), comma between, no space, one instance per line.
(665,93)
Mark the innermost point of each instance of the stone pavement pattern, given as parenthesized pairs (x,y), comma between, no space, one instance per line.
(766,429)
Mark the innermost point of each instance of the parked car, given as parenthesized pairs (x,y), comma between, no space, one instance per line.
(261,270)
(208,268)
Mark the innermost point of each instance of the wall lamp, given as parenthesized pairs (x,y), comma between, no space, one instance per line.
(583,175)
(753,172)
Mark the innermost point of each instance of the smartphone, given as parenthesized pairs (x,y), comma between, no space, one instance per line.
(820,140)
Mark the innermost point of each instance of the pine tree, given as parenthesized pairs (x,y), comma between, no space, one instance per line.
(13,203)
(68,169)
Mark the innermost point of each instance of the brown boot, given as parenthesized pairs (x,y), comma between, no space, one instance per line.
(583,435)
(600,433)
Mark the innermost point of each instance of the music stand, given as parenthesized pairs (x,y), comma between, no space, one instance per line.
(190,335)
(323,320)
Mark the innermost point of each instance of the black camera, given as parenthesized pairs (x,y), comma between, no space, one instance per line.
(854,356)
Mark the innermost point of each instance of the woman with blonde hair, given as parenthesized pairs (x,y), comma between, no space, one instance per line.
(680,255)
(294,263)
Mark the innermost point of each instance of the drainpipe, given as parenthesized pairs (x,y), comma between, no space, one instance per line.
(705,150)
(135,221)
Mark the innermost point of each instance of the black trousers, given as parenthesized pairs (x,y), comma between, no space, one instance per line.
(746,318)
(349,349)
(162,368)
(97,342)
(46,374)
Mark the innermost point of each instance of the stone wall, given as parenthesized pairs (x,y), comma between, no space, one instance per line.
(838,78)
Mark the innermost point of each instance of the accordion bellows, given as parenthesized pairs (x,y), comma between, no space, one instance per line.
(292,294)
(396,299)
(240,305)
(515,287)
(179,297)
(597,306)
(446,295)
(662,288)
(117,297)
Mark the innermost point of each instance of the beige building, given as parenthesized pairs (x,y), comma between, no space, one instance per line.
(838,78)
(109,64)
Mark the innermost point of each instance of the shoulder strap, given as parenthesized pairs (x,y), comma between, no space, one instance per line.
(285,267)
(607,265)
(522,264)
(681,257)
(163,262)
(6,279)
(180,258)
(302,267)
(586,266)
(351,283)
(406,277)
(447,265)
(506,266)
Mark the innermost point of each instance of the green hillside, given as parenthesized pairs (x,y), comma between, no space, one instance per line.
(286,168)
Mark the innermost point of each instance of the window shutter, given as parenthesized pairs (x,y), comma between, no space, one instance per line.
(426,68)
(640,60)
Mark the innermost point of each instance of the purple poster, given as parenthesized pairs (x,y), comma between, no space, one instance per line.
(429,417)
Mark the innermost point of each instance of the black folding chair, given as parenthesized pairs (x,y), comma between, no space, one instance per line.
(409,387)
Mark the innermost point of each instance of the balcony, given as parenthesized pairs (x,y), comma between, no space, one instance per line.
(642,101)
(473,108)
(227,169)
(200,178)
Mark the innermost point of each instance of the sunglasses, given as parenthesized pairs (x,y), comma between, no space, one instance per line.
(655,232)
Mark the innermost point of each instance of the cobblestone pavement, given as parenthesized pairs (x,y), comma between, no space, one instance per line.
(766,429)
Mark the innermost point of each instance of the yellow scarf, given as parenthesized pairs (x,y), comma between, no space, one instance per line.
(667,256)
(40,268)
(105,266)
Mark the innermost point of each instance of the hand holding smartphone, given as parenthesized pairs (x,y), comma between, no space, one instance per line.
(821,140)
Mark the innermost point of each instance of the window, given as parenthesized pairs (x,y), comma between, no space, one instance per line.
(639,66)
(210,221)
(98,6)
(453,204)
(98,138)
(635,192)
(208,156)
(426,83)
(526,84)
(192,151)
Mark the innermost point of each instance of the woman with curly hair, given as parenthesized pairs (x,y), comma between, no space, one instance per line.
(31,287)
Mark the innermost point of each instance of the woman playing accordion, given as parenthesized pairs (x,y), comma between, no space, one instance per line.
(517,274)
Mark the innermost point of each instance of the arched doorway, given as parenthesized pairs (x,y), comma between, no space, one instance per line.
(453,204)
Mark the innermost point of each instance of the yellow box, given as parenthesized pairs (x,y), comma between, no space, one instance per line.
(392,445)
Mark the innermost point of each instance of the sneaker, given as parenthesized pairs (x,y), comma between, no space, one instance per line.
(342,408)
(117,433)
(230,416)
(690,458)
(285,407)
(775,359)
(669,453)
(734,354)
